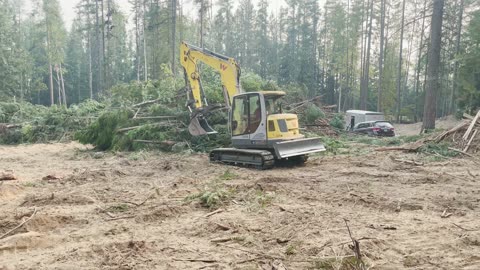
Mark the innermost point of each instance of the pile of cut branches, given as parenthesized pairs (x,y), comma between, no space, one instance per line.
(465,137)
(318,118)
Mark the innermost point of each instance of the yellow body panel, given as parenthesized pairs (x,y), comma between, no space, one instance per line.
(274,132)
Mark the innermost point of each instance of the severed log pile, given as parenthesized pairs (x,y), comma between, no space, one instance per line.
(320,126)
(465,137)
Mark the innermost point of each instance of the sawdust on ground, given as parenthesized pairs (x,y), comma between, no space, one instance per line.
(129,211)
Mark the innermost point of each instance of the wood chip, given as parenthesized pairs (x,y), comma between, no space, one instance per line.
(214,212)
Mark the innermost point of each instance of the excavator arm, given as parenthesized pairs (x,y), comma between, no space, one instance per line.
(229,70)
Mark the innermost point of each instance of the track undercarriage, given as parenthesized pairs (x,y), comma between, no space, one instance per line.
(259,159)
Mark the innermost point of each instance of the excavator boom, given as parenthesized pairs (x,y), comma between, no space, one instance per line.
(229,70)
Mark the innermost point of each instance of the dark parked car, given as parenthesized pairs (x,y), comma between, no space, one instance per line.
(375,128)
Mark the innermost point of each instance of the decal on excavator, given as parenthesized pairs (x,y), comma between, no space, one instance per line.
(223,67)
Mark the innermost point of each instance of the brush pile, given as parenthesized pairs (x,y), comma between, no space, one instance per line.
(465,137)
(318,118)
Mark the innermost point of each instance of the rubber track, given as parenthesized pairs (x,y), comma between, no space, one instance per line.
(260,159)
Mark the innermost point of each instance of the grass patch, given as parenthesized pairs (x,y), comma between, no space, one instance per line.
(212,197)
(291,250)
(228,175)
(120,208)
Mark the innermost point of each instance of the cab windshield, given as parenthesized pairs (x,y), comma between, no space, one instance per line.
(273,104)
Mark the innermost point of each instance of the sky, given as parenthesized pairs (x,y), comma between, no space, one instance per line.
(68,8)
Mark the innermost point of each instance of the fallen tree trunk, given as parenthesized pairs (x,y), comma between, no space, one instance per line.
(445,134)
(166,143)
(148,102)
(470,128)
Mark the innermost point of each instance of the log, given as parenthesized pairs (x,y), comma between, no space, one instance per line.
(214,212)
(170,124)
(166,143)
(470,141)
(154,117)
(148,102)
(470,128)
(451,131)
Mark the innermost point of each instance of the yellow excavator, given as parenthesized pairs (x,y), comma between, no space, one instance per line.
(261,133)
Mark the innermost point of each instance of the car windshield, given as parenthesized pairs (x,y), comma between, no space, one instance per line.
(383,125)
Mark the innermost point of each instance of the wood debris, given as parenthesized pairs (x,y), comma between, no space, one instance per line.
(465,137)
(7,176)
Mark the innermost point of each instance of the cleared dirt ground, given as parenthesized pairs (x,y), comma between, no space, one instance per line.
(129,211)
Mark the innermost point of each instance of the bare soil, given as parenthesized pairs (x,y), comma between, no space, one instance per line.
(445,123)
(137,211)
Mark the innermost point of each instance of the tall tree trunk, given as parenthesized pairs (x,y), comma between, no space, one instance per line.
(202,15)
(399,72)
(145,61)
(50,72)
(457,52)
(63,86)
(60,97)
(174,33)
(50,69)
(98,51)
(419,61)
(104,66)
(381,55)
(429,113)
(89,41)
(366,68)
(137,38)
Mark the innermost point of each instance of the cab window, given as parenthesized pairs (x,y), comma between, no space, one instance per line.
(255,113)
(239,115)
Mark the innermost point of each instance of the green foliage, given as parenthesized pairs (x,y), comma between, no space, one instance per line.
(338,121)
(469,73)
(333,146)
(251,82)
(43,124)
(103,131)
(312,113)
(213,196)
(441,149)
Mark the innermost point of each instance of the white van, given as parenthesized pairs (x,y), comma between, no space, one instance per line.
(353,117)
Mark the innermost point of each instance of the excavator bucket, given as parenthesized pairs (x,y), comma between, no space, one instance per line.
(298,147)
(199,126)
